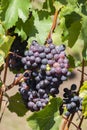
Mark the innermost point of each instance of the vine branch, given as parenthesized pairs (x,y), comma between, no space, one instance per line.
(54,24)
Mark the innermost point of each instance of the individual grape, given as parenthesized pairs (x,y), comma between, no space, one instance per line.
(44,61)
(23,60)
(32,59)
(34,65)
(64,70)
(49,56)
(73,87)
(51,46)
(27,58)
(26,53)
(49,78)
(30,105)
(55,80)
(63,78)
(36,54)
(54,91)
(34,43)
(56,56)
(52,70)
(37,78)
(30,53)
(51,62)
(42,55)
(53,51)
(37,60)
(35,108)
(28,63)
(58,70)
(46,82)
(62,47)
(39,104)
(41,49)
(43,67)
(47,50)
(67,113)
(41,91)
(56,64)
(38,86)
(49,41)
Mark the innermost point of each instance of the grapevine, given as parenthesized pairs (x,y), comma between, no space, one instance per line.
(42,43)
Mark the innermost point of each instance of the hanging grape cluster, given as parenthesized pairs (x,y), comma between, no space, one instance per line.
(48,68)
(18,47)
(72,101)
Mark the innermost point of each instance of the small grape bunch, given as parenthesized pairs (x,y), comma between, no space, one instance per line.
(72,101)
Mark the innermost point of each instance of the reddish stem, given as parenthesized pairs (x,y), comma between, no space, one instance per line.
(54,24)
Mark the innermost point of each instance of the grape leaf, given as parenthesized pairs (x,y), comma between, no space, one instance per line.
(49,6)
(71,61)
(6,43)
(84,106)
(43,25)
(26,29)
(72,22)
(2,55)
(16,9)
(84,36)
(16,105)
(48,118)
(83,94)
(73,35)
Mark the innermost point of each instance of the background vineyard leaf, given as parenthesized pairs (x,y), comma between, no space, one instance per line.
(83,94)
(84,35)
(48,118)
(6,43)
(14,10)
(26,29)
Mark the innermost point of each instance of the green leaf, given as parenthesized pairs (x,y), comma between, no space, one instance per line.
(73,35)
(72,23)
(43,25)
(84,106)
(48,118)
(49,6)
(2,55)
(83,94)
(84,36)
(6,43)
(16,105)
(83,90)
(16,9)
(71,61)
(26,29)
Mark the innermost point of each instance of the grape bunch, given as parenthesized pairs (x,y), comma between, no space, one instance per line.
(18,47)
(48,68)
(72,100)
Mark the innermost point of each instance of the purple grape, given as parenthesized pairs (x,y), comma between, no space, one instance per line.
(53,51)
(23,60)
(42,55)
(47,50)
(44,61)
(51,62)
(49,56)
(36,54)
(37,60)
(30,53)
